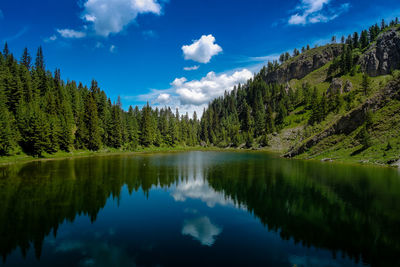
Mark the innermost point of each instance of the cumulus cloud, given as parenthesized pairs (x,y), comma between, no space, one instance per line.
(179,82)
(312,11)
(196,67)
(112,16)
(163,98)
(202,91)
(71,34)
(201,229)
(202,50)
(194,95)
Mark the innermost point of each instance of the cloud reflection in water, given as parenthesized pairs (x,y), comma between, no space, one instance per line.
(201,229)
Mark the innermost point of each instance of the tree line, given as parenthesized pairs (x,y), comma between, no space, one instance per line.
(41,113)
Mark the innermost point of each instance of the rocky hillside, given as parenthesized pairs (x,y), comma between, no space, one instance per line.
(384,55)
(349,122)
(305,63)
(370,130)
(338,101)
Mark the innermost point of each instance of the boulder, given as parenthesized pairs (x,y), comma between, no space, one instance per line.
(348,86)
(335,87)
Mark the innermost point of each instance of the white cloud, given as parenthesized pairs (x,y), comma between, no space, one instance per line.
(298,19)
(202,50)
(112,16)
(179,82)
(69,33)
(201,229)
(198,92)
(50,39)
(113,48)
(163,98)
(196,67)
(194,95)
(312,11)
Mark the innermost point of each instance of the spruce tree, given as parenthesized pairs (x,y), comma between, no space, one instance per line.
(6,51)
(147,130)
(26,59)
(92,139)
(6,134)
(365,84)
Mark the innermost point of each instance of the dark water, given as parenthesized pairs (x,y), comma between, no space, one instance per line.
(198,208)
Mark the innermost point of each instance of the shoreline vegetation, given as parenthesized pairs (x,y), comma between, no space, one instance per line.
(328,103)
(24,158)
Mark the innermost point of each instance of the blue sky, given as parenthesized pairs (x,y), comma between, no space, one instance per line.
(181,53)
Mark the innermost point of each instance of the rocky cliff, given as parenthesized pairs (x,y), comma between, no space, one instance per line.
(384,55)
(300,66)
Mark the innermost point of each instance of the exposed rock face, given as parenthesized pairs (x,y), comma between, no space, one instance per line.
(352,120)
(304,64)
(348,86)
(335,87)
(384,55)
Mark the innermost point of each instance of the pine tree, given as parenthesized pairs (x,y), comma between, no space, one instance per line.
(148,131)
(92,139)
(34,128)
(26,59)
(356,43)
(315,108)
(383,24)
(116,127)
(6,134)
(365,84)
(6,51)
(364,39)
(39,62)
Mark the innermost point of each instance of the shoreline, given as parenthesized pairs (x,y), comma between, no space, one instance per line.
(21,159)
(24,158)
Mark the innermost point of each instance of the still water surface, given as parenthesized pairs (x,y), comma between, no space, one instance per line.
(198,208)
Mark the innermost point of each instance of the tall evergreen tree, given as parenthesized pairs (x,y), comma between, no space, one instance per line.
(91,122)
(26,59)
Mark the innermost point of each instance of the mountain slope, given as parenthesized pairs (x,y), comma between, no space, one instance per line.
(338,101)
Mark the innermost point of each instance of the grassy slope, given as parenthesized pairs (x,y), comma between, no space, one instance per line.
(385,128)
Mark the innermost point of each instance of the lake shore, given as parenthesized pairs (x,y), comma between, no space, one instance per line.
(24,158)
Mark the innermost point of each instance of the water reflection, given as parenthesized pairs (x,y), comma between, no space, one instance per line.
(350,211)
(199,189)
(201,229)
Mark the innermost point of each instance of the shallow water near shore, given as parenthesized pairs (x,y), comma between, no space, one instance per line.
(197,209)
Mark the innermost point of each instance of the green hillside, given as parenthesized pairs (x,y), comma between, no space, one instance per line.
(335,102)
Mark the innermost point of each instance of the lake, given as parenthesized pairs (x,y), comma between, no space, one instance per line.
(198,209)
